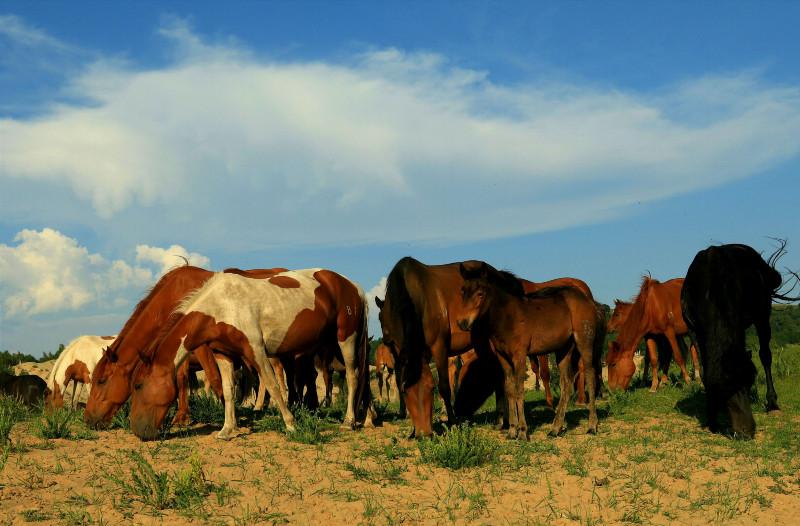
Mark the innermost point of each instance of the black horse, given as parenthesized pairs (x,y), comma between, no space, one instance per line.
(727,289)
(27,387)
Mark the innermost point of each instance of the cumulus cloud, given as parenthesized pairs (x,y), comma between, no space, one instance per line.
(383,146)
(169,258)
(47,271)
(379,290)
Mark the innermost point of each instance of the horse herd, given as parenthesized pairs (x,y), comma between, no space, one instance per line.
(480,326)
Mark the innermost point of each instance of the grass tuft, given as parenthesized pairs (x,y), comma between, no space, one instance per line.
(56,423)
(459,447)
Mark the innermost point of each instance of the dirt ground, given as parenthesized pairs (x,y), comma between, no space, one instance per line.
(651,463)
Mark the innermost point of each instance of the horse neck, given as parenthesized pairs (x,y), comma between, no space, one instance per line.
(635,326)
(501,304)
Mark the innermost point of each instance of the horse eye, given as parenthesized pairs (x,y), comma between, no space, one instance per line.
(138,386)
(101,381)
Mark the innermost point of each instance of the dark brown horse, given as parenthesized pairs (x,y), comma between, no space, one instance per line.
(29,388)
(727,289)
(656,310)
(418,319)
(556,320)
(111,385)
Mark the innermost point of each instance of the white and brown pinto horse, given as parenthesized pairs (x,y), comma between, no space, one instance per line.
(289,314)
(75,364)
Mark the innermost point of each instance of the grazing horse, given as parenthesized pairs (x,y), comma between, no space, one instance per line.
(659,353)
(111,386)
(287,315)
(555,320)
(384,369)
(75,364)
(29,388)
(656,310)
(418,320)
(727,289)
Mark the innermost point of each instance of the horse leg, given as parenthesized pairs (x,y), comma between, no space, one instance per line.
(544,371)
(379,377)
(268,378)
(676,353)
(182,378)
(509,391)
(565,381)
(765,353)
(440,357)
(349,353)
(695,360)
(519,395)
(580,383)
(401,411)
(228,430)
(535,370)
(327,379)
(652,353)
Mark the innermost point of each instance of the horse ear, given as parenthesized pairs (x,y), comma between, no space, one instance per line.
(112,356)
(484,270)
(463,270)
(379,302)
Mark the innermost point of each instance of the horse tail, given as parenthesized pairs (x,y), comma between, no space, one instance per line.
(774,279)
(600,331)
(363,395)
(409,355)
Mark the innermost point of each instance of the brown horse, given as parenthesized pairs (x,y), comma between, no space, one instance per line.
(659,352)
(111,385)
(656,310)
(556,320)
(418,320)
(384,369)
(290,314)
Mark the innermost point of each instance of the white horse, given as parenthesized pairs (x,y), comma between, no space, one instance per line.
(75,364)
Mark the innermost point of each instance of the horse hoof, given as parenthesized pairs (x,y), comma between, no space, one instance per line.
(592,429)
(653,389)
(226,434)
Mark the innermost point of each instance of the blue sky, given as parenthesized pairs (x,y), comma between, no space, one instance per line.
(597,141)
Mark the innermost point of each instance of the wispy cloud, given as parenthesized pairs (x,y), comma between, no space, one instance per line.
(15,30)
(384,146)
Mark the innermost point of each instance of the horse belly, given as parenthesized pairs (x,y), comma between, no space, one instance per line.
(304,332)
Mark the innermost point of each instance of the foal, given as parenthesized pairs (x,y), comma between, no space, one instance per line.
(556,320)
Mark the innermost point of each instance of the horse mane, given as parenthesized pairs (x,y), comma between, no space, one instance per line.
(548,292)
(140,307)
(172,320)
(637,311)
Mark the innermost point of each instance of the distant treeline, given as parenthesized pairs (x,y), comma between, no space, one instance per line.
(9,359)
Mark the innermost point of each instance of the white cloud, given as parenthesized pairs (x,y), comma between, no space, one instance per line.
(47,272)
(169,258)
(226,148)
(378,290)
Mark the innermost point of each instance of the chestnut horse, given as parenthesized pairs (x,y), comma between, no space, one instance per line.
(384,369)
(287,315)
(556,320)
(111,386)
(75,364)
(658,350)
(656,310)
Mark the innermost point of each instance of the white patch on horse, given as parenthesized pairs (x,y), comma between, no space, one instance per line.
(88,349)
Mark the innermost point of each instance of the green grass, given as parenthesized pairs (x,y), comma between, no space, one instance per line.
(459,447)
(11,411)
(184,490)
(206,408)
(56,423)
